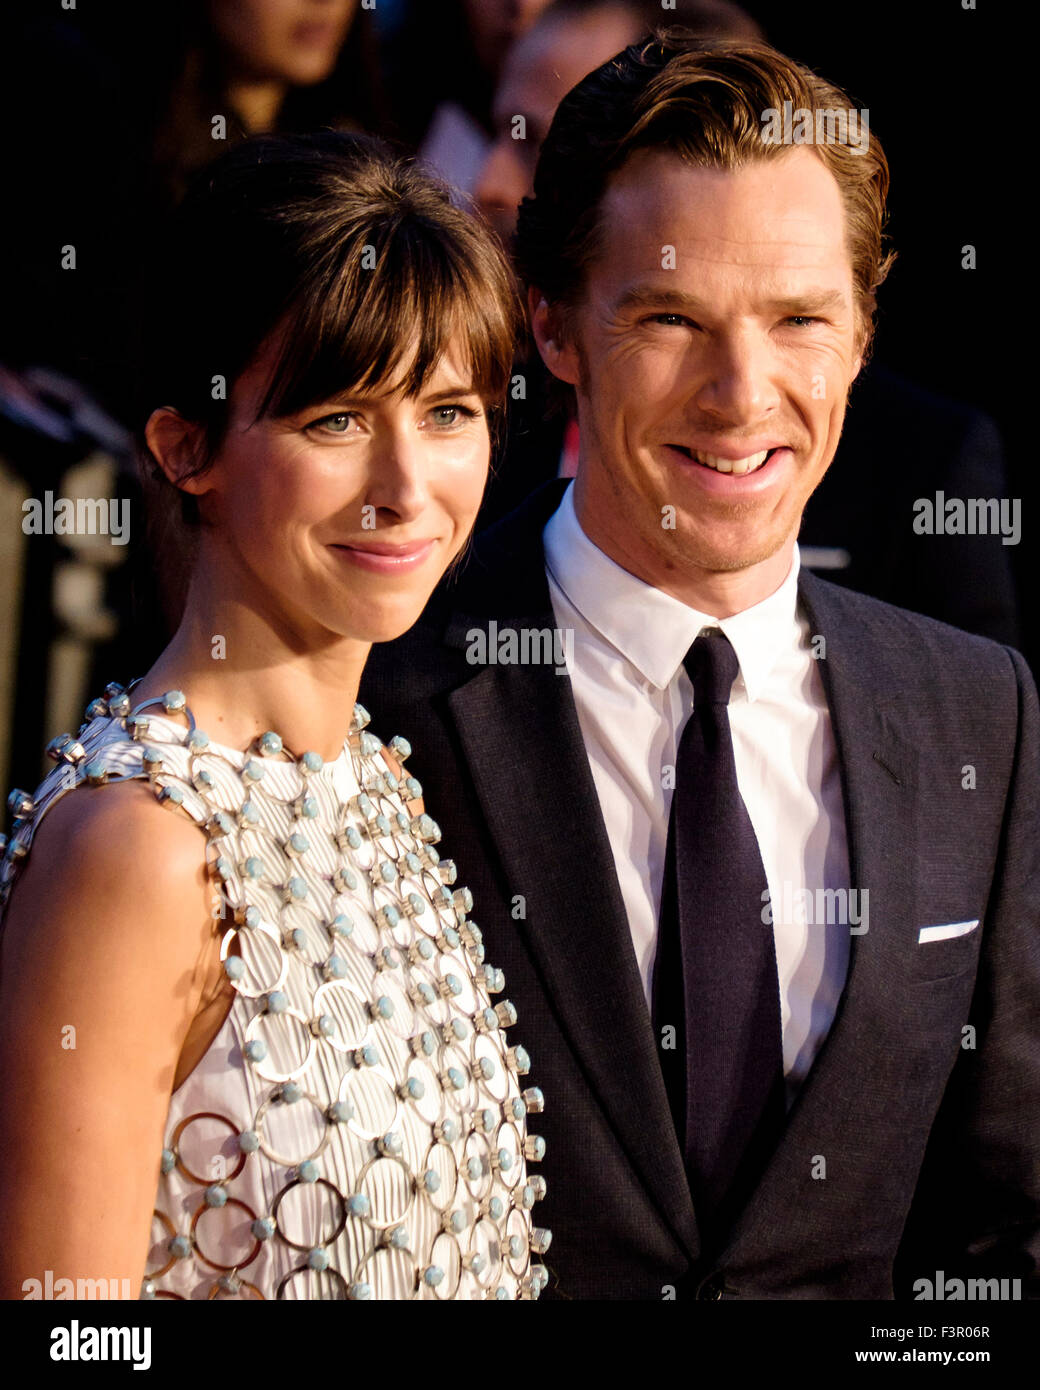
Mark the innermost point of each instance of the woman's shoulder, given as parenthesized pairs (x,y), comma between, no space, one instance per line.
(102,813)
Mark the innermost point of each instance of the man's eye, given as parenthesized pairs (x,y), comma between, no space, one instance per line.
(672,320)
(802,320)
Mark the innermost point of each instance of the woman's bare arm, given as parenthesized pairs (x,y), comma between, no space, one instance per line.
(105,949)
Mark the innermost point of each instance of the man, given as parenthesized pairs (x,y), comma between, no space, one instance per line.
(828,1088)
(855,534)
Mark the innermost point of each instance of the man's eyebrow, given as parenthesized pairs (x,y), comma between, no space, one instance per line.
(666,300)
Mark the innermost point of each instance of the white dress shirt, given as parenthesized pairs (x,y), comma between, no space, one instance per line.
(633,696)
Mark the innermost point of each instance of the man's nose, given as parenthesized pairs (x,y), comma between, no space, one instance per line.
(738,377)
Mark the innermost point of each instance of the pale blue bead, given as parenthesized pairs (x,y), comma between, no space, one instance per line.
(179,1246)
(424,948)
(308,1170)
(359,1205)
(352,836)
(431,1180)
(215,1196)
(250,815)
(516,1247)
(433,1275)
(453,984)
(477,1264)
(335,967)
(505,1160)
(527,1197)
(400,747)
(390,1144)
(370,1056)
(361,716)
(326,1025)
(359,1291)
(277,1002)
(291,1092)
(457,1222)
(299,843)
(523,1061)
(458,1027)
(456,1078)
(474,1168)
(496,1207)
(270,744)
(502,1294)
(368,745)
(318,1259)
(384,1006)
(341,925)
(487,1068)
(255,1051)
(263,1228)
(414,866)
(413,787)
(397,1237)
(173,700)
(390,915)
(173,794)
(428,1043)
(298,887)
(340,1111)
(309,807)
(490,1017)
(249,1141)
(402,821)
(253,867)
(426,991)
(487,1120)
(387,871)
(518,1108)
(416,903)
(234,967)
(451,937)
(449,1131)
(168,1161)
(197,739)
(313,762)
(253,770)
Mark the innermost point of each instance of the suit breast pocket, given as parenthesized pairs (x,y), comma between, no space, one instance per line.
(945,949)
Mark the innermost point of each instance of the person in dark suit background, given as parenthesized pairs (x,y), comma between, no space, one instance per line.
(710,297)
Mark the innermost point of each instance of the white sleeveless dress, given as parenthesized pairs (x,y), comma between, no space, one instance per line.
(356,1129)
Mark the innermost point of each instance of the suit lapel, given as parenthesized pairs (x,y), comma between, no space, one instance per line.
(880,779)
(519,728)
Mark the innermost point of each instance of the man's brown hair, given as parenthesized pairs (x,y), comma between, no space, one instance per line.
(707,102)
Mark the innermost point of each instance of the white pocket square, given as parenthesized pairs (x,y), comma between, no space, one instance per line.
(946,931)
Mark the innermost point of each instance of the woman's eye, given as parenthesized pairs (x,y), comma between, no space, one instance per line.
(450,416)
(333,424)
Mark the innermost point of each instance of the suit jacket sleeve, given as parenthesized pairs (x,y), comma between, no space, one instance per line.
(976,1212)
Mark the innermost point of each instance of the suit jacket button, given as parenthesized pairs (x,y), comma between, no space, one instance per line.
(712,1288)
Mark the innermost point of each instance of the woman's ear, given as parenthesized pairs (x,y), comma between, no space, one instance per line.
(558,353)
(176,445)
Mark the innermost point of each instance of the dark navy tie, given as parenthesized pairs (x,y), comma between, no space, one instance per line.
(715,978)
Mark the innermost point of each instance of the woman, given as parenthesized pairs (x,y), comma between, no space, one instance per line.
(285,1020)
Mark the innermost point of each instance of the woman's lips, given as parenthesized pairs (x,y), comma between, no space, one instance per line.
(381,558)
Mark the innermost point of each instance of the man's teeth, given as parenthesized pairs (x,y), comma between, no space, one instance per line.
(747,465)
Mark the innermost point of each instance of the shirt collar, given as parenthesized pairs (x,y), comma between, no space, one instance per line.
(650,628)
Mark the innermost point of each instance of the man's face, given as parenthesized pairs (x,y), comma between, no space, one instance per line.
(717,330)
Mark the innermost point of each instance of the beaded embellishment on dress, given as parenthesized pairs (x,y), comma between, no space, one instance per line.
(356,1128)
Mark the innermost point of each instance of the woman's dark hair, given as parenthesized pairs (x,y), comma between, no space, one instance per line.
(356,258)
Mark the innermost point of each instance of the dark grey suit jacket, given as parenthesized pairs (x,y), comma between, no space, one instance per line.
(930,1134)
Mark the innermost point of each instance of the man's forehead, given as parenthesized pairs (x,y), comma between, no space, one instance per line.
(789,199)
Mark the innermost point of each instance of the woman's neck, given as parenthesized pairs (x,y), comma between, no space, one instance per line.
(243,674)
(257,104)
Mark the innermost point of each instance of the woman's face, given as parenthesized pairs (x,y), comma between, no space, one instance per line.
(340,520)
(293,41)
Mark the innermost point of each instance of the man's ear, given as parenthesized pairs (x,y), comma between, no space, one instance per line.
(176,446)
(558,351)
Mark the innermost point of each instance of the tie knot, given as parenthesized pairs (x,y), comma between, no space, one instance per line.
(712,665)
